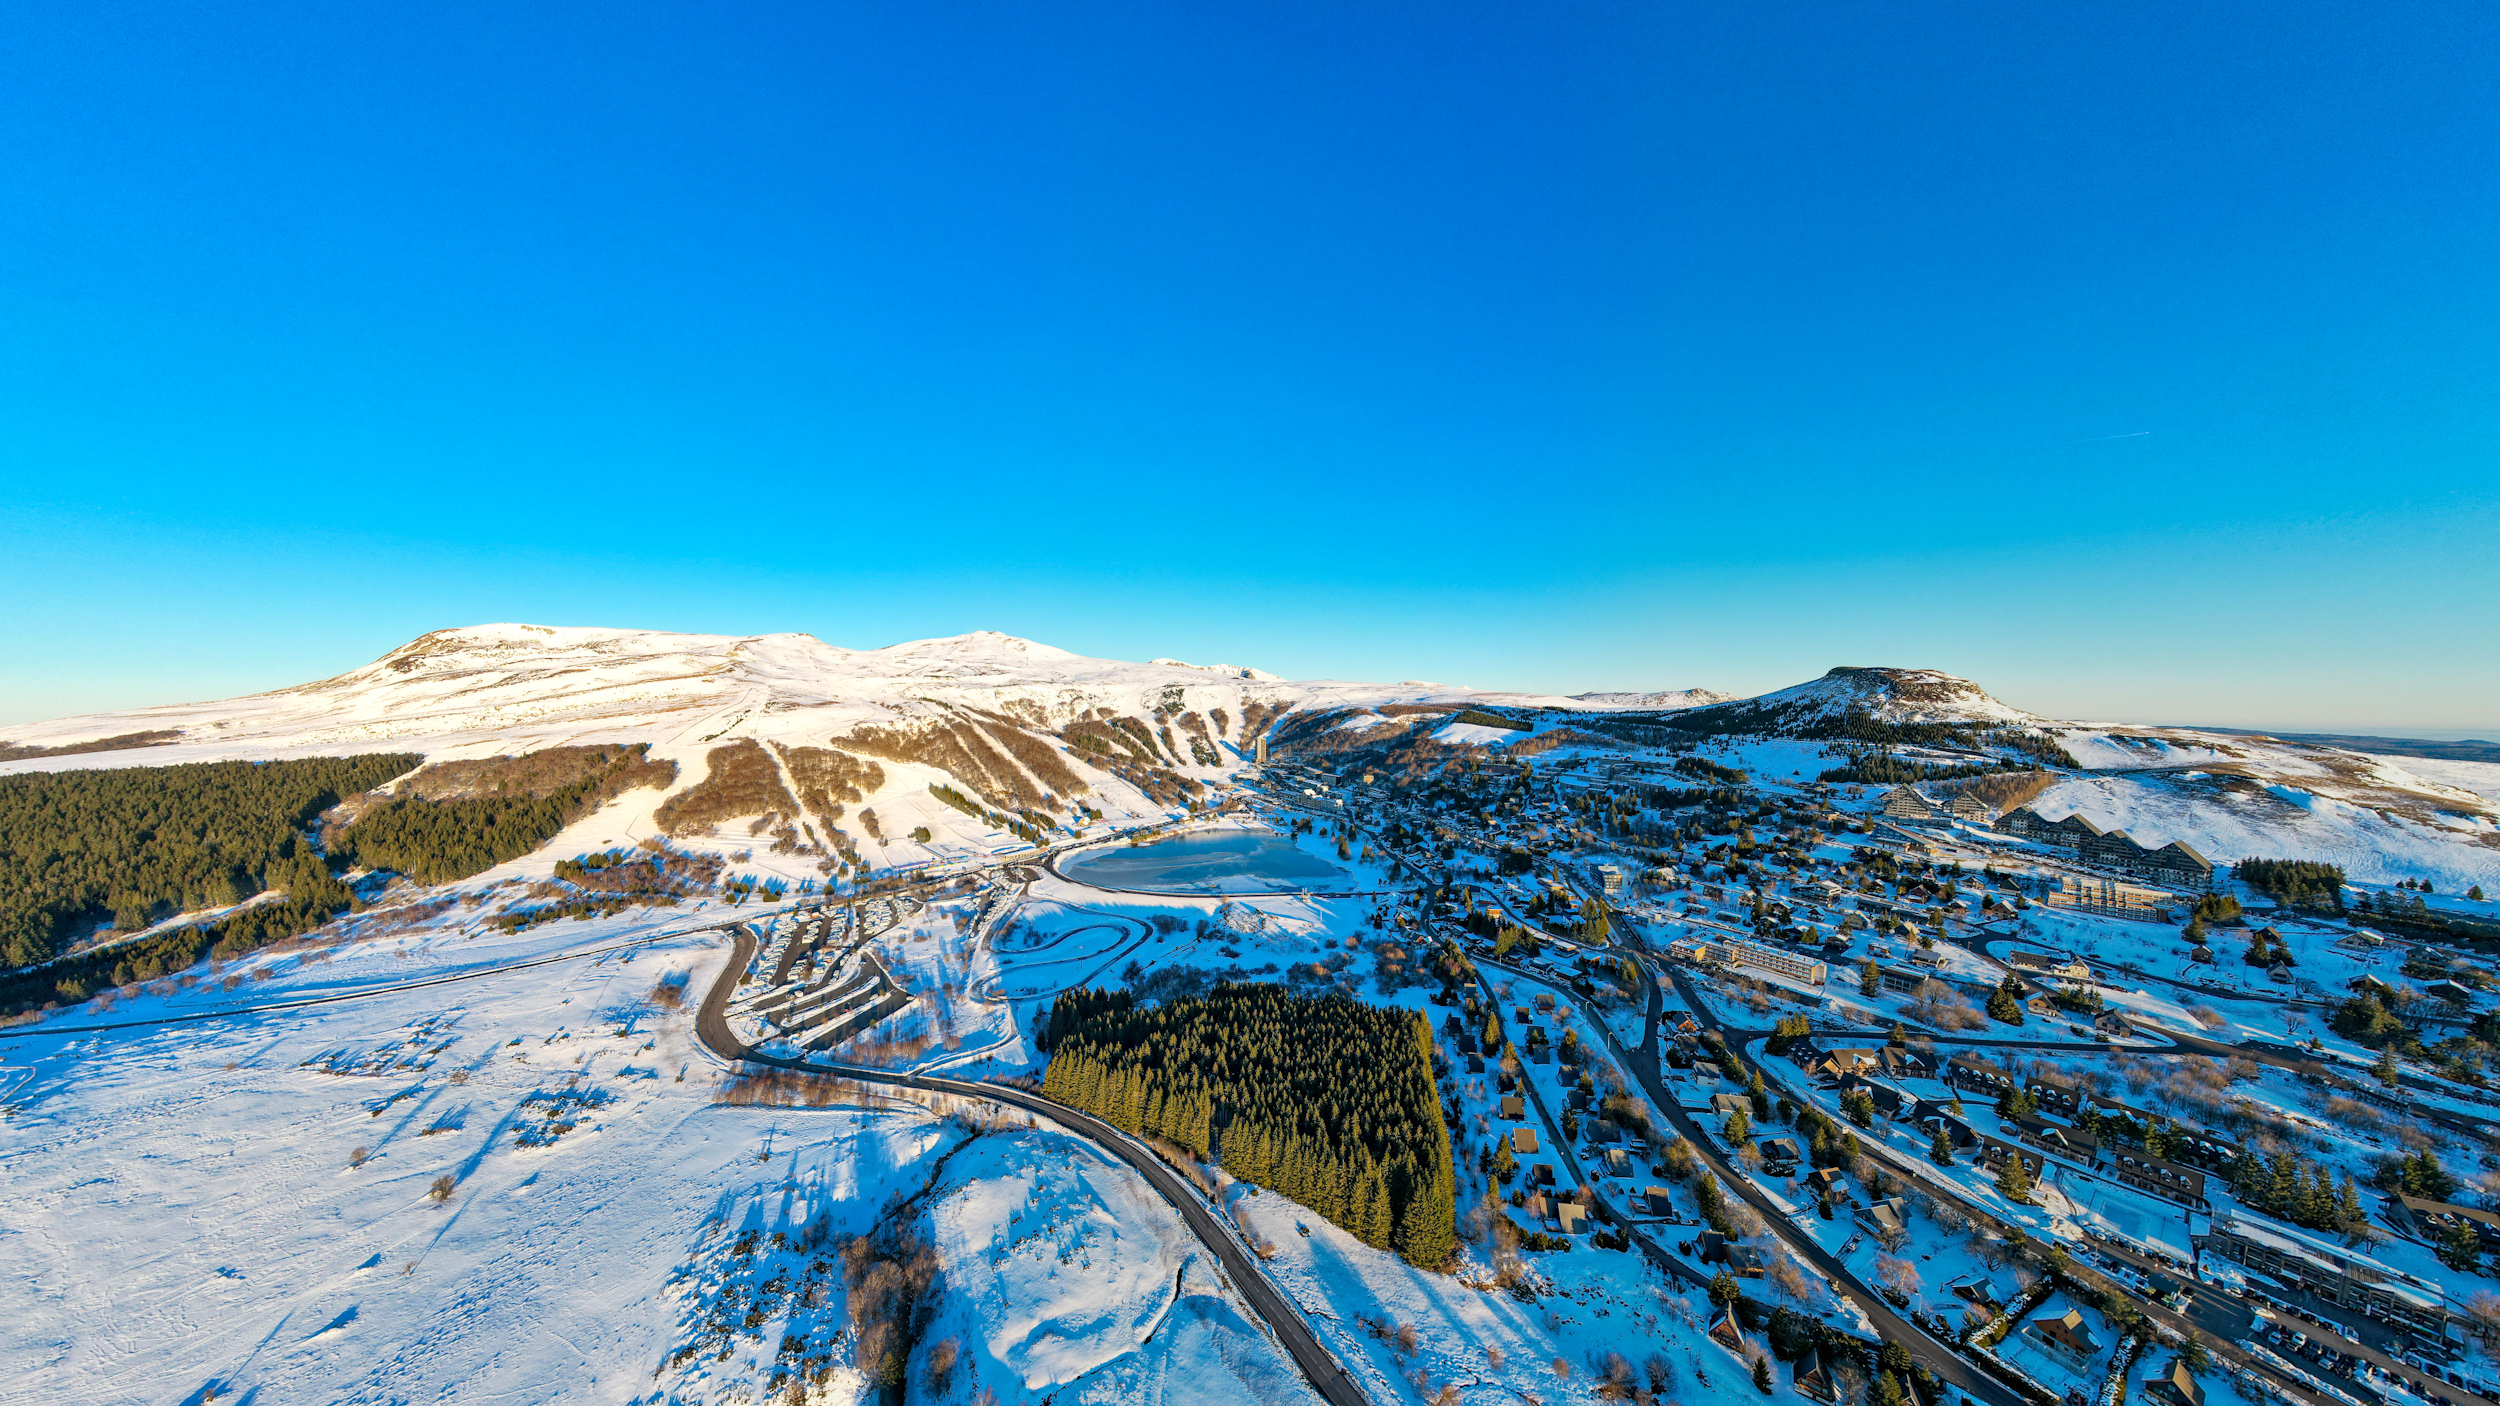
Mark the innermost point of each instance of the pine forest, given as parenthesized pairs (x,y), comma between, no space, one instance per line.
(1324,1099)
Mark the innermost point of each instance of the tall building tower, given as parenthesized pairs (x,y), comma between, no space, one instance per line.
(1262,747)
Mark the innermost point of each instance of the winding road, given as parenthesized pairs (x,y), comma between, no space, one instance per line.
(1938,1358)
(1279,1312)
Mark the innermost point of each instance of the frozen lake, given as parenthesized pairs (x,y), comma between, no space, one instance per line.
(1229,861)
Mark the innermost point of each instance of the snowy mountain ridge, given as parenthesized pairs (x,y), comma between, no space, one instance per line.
(497,689)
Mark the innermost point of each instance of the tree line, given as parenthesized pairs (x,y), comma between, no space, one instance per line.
(2294,883)
(1324,1099)
(134,845)
(436,841)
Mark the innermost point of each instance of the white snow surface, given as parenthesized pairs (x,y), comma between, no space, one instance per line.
(1655,702)
(181,1210)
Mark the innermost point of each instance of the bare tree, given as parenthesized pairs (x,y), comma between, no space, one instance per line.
(1897,1274)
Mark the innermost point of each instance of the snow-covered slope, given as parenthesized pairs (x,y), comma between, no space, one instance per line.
(499,689)
(505,686)
(1886,695)
(2232,795)
(1655,702)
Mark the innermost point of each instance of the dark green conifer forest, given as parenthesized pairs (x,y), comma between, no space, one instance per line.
(135,845)
(1327,1100)
(483,813)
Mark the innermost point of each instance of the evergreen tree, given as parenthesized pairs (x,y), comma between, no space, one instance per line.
(2349,1215)
(1870,982)
(1371,1211)
(1762,1375)
(1887,1390)
(2460,1246)
(1940,1151)
(2014,1181)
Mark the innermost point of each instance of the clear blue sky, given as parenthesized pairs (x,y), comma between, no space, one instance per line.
(2136,361)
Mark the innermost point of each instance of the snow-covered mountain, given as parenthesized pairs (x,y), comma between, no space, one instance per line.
(505,686)
(500,689)
(493,690)
(1881,694)
(1655,702)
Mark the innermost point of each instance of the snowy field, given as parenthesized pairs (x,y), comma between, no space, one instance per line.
(249,1203)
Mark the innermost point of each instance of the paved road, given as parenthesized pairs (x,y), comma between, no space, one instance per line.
(1938,1358)
(1282,1317)
(2219,1344)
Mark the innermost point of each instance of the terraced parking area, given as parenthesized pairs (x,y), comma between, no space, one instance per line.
(823,983)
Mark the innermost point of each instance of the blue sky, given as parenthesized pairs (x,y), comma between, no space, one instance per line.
(2136,361)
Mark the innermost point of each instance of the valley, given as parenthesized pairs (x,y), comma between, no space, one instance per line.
(689,1002)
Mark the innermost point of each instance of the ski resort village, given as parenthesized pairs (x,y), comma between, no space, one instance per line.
(572,1014)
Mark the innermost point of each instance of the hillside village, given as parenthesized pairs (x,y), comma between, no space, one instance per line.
(1869,1040)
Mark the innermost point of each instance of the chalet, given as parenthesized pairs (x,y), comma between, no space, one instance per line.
(1905,803)
(1656,1201)
(1776,1153)
(1475,1064)
(1969,807)
(2168,1180)
(2113,1023)
(1970,1071)
(1542,1174)
(2188,1145)
(1605,1131)
(1901,981)
(1726,1332)
(1579,1100)
(1844,1062)
(1958,1133)
(1907,1064)
(2056,1095)
(2176,1387)
(1538,1205)
(1813,1378)
(2072,1143)
(2045,966)
(1522,1140)
(1891,1104)
(1541,1054)
(2436,1220)
(2065,1337)
(1571,1217)
(1985,1303)
(1886,1219)
(1514,1109)
(1618,1163)
(1721,1105)
(1993,1152)
(2024,823)
(1827,1181)
(2453,992)
(2174,865)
